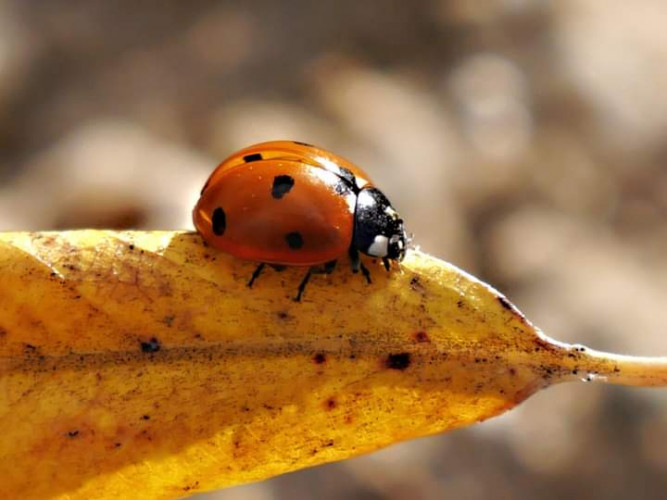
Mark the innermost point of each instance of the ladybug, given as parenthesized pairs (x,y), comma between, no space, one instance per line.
(288,203)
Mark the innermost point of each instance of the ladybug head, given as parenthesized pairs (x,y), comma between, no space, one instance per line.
(378,229)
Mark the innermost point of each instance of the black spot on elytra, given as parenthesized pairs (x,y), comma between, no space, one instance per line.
(219,221)
(282,184)
(319,358)
(294,240)
(152,345)
(505,303)
(252,157)
(303,144)
(398,361)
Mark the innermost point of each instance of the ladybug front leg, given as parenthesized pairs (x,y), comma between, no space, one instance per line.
(357,265)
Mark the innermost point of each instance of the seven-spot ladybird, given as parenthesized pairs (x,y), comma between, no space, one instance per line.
(287,203)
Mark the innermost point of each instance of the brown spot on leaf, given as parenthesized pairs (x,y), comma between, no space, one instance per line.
(73,433)
(319,358)
(330,404)
(398,361)
(169,320)
(421,337)
(416,285)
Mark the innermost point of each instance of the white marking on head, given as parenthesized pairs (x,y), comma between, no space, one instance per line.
(360,182)
(379,246)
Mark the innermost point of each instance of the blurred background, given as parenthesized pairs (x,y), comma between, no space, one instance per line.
(523,140)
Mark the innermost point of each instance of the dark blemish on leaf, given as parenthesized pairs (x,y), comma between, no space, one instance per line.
(153,345)
(252,157)
(416,285)
(73,433)
(574,372)
(283,315)
(505,303)
(330,404)
(131,246)
(30,348)
(169,319)
(319,358)
(421,337)
(349,419)
(460,304)
(512,371)
(117,445)
(191,486)
(329,443)
(282,184)
(398,361)
(146,417)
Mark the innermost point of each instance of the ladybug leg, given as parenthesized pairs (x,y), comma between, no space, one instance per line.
(365,272)
(386,263)
(256,274)
(302,285)
(357,265)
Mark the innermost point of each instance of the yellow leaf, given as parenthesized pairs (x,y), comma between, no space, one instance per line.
(140,364)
